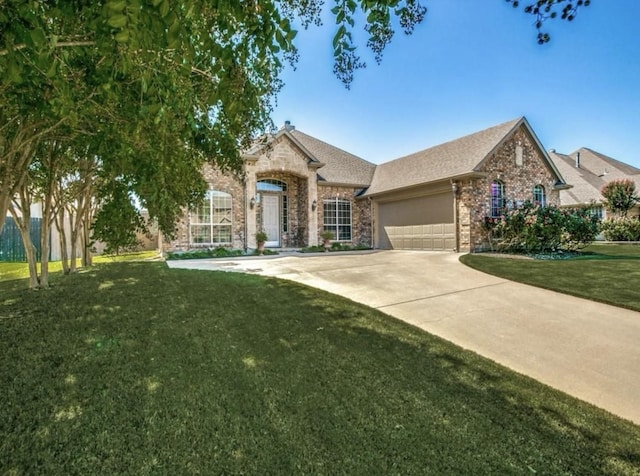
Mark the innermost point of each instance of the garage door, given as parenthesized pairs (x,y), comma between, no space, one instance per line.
(417,223)
(439,236)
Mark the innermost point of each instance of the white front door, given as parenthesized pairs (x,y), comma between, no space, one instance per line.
(271,219)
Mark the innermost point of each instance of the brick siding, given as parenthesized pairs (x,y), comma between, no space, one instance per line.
(474,194)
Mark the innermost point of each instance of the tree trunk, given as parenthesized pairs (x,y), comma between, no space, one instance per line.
(14,174)
(22,217)
(47,210)
(87,256)
(62,233)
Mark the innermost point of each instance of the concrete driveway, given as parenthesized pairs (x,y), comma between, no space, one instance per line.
(586,349)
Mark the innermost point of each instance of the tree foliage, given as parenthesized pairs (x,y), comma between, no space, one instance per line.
(544,10)
(150,90)
(620,196)
(117,221)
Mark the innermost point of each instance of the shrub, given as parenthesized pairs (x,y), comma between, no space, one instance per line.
(535,229)
(581,226)
(621,229)
(620,196)
(220,252)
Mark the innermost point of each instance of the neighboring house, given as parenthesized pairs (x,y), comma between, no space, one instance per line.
(588,171)
(295,186)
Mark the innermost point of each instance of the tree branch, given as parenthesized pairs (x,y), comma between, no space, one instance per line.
(59,44)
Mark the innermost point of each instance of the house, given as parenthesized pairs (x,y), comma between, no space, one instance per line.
(295,186)
(588,171)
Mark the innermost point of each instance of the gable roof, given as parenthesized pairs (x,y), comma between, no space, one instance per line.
(340,167)
(335,166)
(586,185)
(452,159)
(595,171)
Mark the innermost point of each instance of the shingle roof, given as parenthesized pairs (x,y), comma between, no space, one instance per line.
(600,164)
(595,171)
(340,167)
(586,185)
(451,159)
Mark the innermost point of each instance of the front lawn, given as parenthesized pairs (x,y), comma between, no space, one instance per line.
(134,368)
(20,270)
(605,273)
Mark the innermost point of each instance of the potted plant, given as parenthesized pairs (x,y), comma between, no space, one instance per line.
(261,238)
(326,236)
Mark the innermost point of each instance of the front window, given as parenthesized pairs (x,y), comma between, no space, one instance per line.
(539,196)
(498,202)
(211,221)
(337,218)
(597,211)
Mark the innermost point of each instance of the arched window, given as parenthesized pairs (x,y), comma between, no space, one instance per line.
(211,221)
(271,185)
(539,196)
(498,201)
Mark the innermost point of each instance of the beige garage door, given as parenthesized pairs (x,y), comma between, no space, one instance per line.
(418,223)
(438,236)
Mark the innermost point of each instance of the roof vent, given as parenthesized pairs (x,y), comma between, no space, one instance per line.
(553,151)
(577,160)
(288,126)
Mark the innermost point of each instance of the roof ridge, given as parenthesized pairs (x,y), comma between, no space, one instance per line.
(511,123)
(626,168)
(298,131)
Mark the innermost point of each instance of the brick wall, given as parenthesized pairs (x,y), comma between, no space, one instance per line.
(225,183)
(360,212)
(519,180)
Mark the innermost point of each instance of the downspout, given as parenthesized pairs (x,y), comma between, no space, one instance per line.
(454,190)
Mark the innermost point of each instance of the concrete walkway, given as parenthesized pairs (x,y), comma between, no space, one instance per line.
(586,349)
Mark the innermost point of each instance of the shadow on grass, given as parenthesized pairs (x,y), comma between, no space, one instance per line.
(496,403)
(161,370)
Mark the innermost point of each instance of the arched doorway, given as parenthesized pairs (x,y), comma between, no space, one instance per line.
(274,205)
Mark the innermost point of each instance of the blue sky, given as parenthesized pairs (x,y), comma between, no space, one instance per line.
(470,65)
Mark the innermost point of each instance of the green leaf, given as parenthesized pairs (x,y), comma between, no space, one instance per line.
(122,36)
(164,8)
(38,37)
(116,6)
(117,21)
(53,69)
(14,72)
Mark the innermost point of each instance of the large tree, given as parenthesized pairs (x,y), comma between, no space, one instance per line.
(151,89)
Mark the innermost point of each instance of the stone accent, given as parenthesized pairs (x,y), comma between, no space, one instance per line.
(361,225)
(474,194)
(298,210)
(283,160)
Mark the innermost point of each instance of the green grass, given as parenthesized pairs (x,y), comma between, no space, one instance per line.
(604,273)
(10,271)
(134,368)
